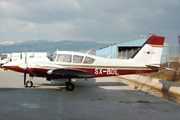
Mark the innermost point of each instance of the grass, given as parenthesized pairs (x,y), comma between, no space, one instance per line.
(165,77)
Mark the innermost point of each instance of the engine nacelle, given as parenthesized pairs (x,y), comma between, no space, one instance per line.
(62,80)
(59,80)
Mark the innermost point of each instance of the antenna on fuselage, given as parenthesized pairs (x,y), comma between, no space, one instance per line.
(88,51)
(109,56)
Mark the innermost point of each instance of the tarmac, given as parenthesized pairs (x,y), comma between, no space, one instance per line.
(104,98)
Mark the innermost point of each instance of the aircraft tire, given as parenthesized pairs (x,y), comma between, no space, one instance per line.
(70,86)
(29,84)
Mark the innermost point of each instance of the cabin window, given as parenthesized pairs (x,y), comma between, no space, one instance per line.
(88,60)
(64,58)
(77,59)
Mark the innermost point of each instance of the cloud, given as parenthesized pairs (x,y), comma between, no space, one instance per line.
(98,20)
(40,11)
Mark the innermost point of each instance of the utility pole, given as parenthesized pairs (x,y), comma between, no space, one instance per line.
(178,47)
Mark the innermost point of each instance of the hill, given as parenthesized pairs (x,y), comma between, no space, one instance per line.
(51,46)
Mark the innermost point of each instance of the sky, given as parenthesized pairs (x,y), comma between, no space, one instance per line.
(104,21)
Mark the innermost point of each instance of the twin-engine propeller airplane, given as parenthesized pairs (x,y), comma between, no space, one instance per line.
(67,65)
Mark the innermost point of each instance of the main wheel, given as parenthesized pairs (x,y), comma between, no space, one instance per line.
(29,84)
(70,86)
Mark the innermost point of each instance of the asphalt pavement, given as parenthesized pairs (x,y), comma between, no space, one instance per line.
(104,98)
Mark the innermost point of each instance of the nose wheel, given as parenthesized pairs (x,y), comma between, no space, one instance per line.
(29,83)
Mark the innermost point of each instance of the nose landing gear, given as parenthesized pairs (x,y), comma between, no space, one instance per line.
(29,83)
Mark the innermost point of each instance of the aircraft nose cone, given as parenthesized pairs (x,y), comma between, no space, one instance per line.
(14,66)
(5,66)
(11,66)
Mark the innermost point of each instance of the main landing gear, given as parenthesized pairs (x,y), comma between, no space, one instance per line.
(70,86)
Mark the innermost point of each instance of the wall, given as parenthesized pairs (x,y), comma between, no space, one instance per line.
(129,48)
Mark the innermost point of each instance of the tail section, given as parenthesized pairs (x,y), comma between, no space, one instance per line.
(150,53)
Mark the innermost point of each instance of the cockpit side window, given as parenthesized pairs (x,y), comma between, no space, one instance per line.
(77,59)
(88,60)
(64,58)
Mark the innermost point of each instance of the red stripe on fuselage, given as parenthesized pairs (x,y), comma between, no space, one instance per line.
(40,71)
(98,72)
(17,68)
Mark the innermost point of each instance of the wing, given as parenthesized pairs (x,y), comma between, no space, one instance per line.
(69,73)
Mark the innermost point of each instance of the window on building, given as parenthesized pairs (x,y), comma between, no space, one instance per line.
(88,60)
(77,59)
(64,58)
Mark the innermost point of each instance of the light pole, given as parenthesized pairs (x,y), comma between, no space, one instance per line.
(178,47)
(145,36)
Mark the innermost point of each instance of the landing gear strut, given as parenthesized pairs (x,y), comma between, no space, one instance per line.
(70,86)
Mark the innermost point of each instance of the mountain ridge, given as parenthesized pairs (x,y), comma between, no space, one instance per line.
(51,46)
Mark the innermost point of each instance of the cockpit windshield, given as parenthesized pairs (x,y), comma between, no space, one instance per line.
(54,56)
(51,56)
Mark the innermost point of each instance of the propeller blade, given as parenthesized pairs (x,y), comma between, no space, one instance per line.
(25,70)
(25,77)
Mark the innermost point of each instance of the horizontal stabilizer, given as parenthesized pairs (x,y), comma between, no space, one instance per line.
(158,68)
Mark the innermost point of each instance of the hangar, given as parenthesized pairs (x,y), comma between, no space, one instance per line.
(125,50)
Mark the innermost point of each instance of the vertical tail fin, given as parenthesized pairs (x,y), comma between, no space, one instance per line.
(150,53)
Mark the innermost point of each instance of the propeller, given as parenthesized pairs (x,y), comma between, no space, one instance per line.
(24,77)
(25,67)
